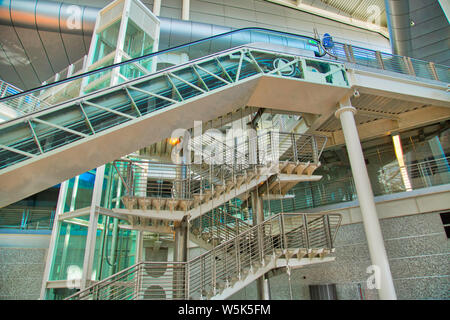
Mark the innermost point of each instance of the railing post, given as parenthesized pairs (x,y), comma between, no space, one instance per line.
(379,59)
(202,274)
(409,66)
(349,53)
(283,233)
(306,231)
(432,67)
(260,243)
(315,151)
(213,270)
(294,148)
(186,281)
(238,256)
(137,282)
(326,226)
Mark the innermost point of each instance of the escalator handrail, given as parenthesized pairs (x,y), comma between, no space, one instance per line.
(153,54)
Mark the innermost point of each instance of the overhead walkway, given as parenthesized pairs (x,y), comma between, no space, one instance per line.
(297,239)
(88,125)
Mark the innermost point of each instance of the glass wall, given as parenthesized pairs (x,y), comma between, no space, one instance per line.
(426,156)
(137,43)
(35,213)
(115,243)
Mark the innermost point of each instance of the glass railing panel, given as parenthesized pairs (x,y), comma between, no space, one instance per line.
(26,218)
(129,70)
(443,73)
(19,136)
(422,69)
(339,51)
(394,63)
(9,158)
(365,57)
(59,92)
(65,266)
(387,181)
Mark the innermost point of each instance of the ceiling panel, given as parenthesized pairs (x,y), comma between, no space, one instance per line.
(15,54)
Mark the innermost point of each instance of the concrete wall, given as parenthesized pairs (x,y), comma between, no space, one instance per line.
(417,247)
(22,263)
(418,252)
(21,272)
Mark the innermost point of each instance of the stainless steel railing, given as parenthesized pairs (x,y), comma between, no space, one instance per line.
(143,178)
(389,179)
(23,105)
(390,62)
(223,266)
(217,226)
(27,218)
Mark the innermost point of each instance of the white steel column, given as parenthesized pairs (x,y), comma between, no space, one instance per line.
(55,235)
(157,7)
(92,229)
(185,10)
(372,228)
(262,285)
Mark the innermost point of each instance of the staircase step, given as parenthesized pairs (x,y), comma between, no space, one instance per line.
(206,236)
(129,202)
(300,168)
(311,168)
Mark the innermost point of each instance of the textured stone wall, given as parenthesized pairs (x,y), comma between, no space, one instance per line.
(417,247)
(418,252)
(21,272)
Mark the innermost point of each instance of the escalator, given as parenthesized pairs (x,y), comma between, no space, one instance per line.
(87,125)
(79,133)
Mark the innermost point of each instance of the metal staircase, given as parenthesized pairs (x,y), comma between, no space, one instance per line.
(286,238)
(160,194)
(216,227)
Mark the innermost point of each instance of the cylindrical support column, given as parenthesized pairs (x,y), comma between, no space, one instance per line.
(185,10)
(156,7)
(180,250)
(262,288)
(366,201)
(180,255)
(258,210)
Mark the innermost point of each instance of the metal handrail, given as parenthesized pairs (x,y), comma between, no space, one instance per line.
(349,56)
(204,275)
(154,54)
(217,226)
(420,175)
(182,181)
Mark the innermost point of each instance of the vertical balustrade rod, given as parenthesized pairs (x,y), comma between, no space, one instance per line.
(238,258)
(187,280)
(305,228)
(213,270)
(326,225)
(294,147)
